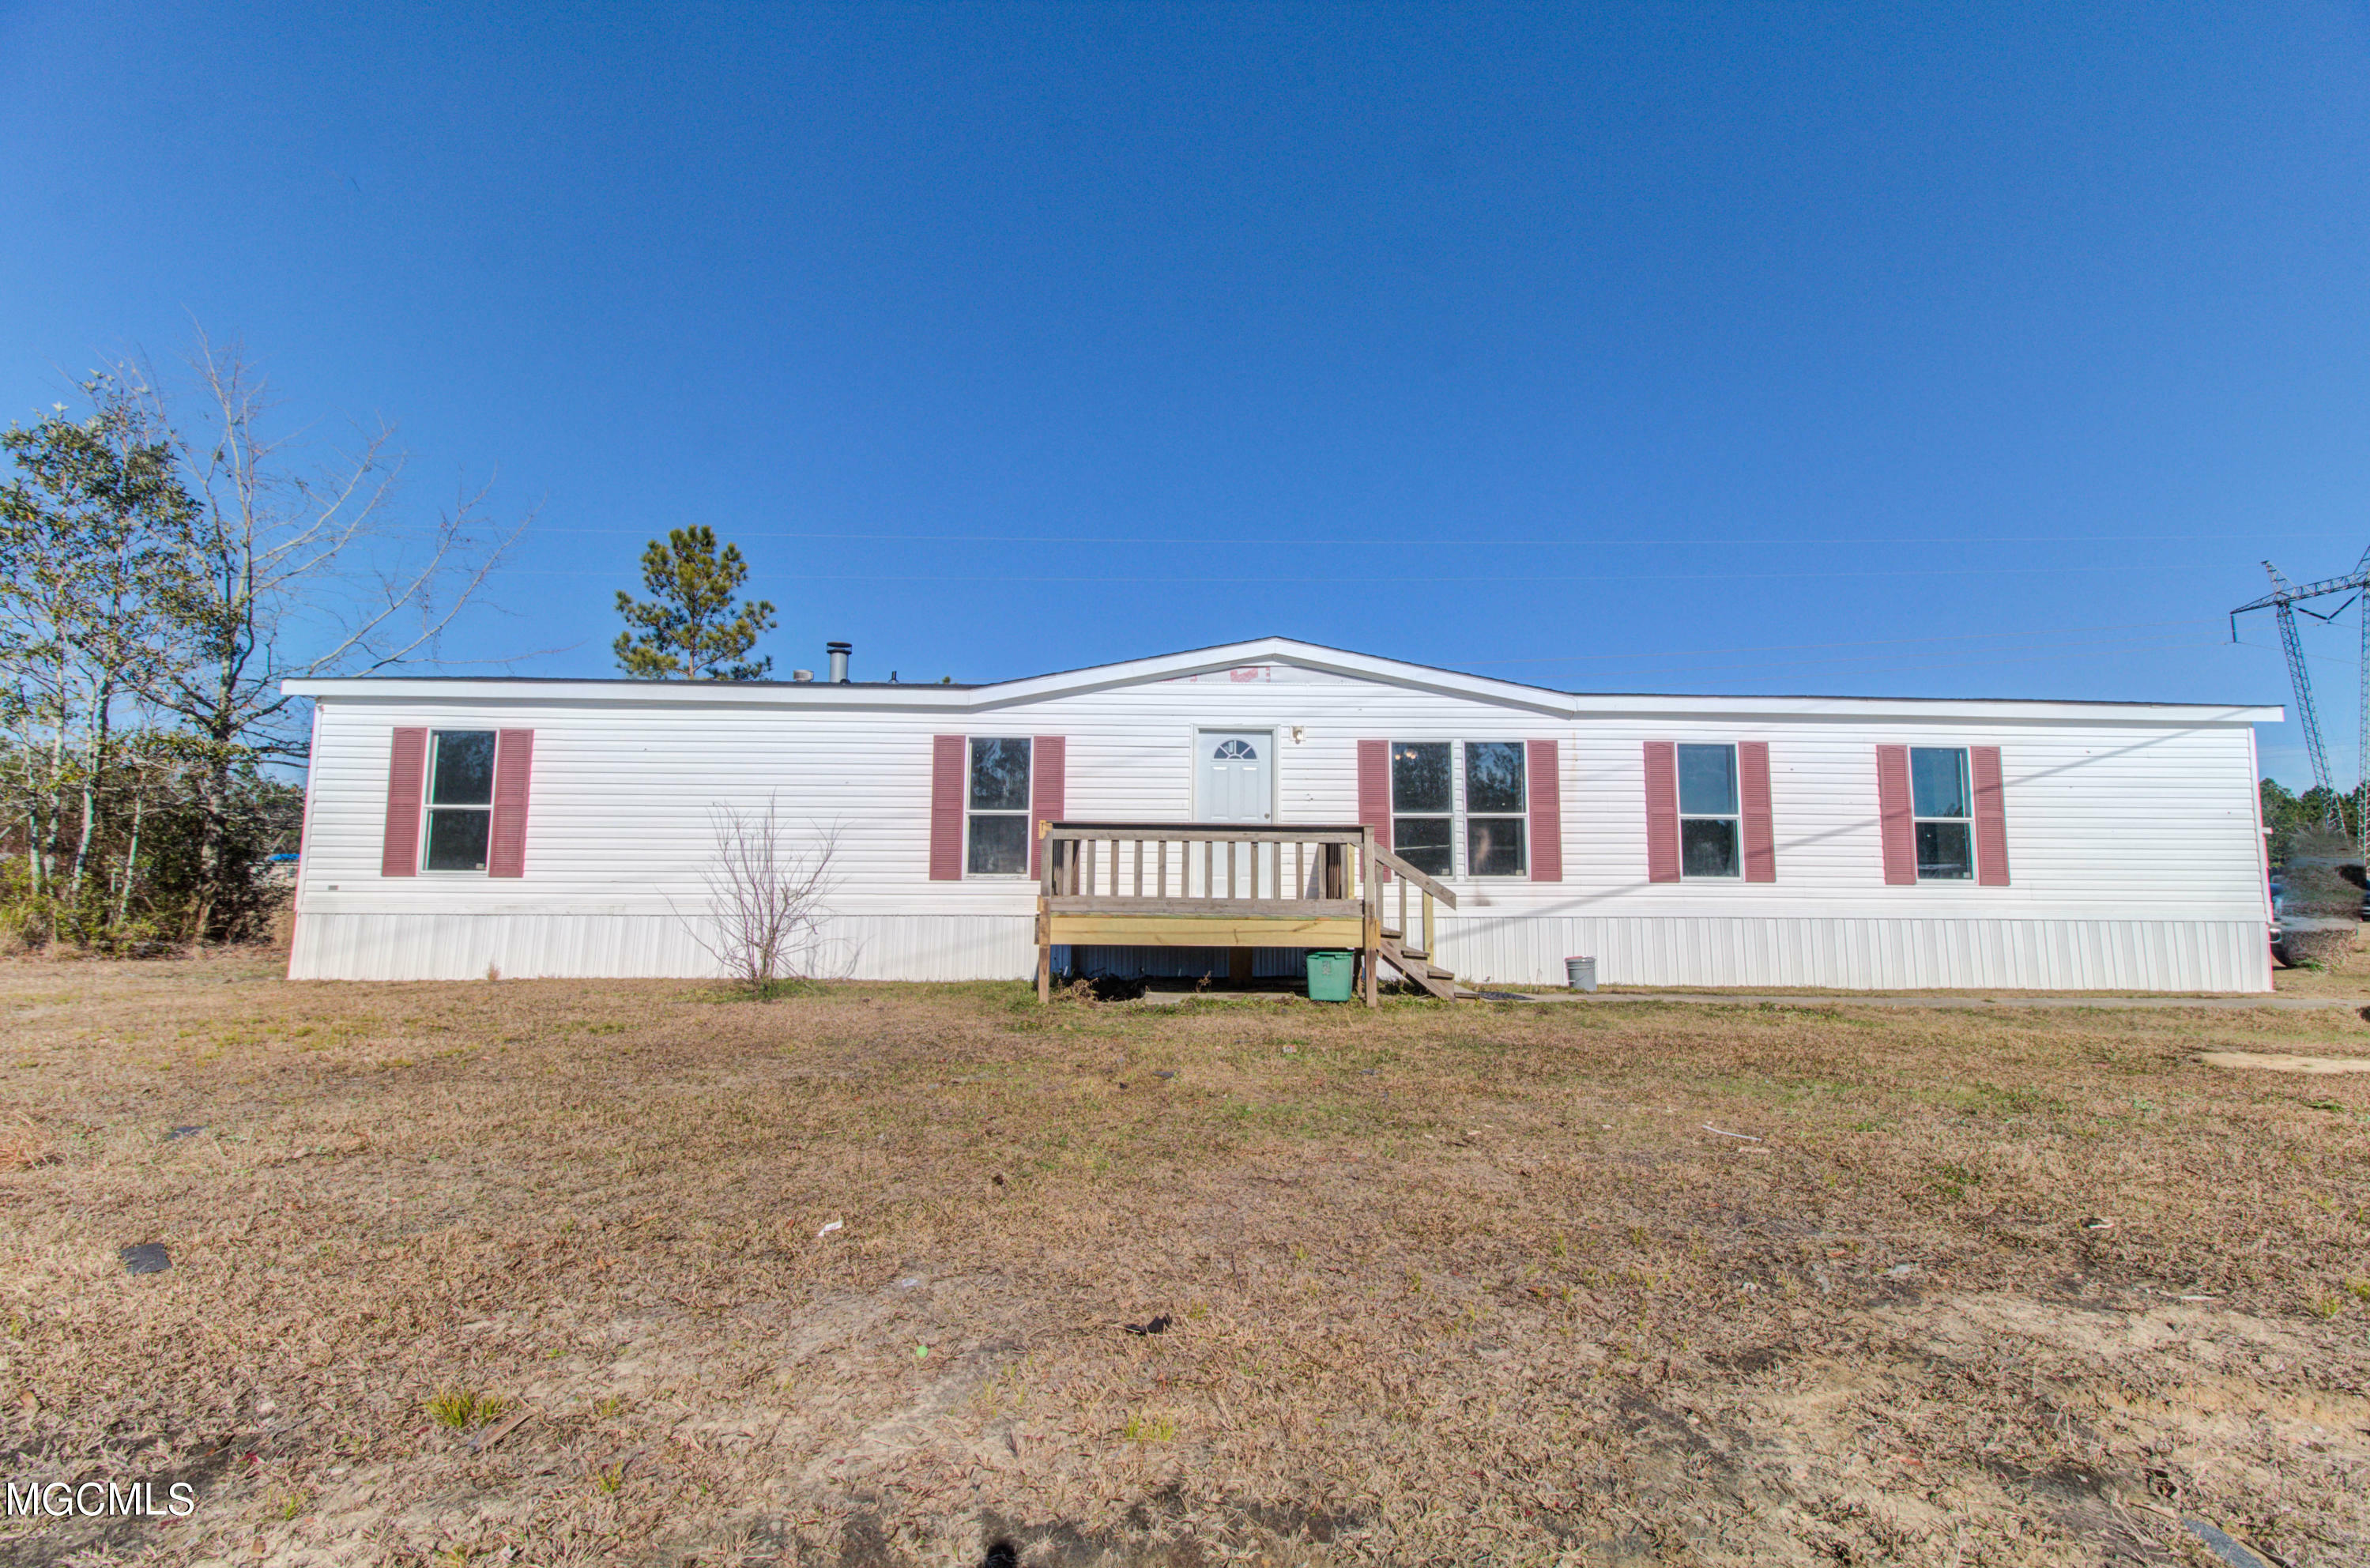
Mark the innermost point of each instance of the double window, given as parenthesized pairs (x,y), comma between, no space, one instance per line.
(1708,833)
(998,818)
(460,800)
(1942,805)
(1424,809)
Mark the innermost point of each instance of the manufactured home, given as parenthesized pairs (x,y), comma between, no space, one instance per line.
(1225,810)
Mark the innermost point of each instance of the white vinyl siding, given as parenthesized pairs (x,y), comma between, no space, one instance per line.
(2134,837)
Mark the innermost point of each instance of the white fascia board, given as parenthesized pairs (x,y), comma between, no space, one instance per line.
(1265,649)
(1275,651)
(1918,708)
(945,699)
(655,694)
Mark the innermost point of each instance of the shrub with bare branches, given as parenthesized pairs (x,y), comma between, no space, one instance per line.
(767,901)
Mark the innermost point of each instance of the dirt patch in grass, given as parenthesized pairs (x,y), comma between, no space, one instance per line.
(2281,1062)
(546,1272)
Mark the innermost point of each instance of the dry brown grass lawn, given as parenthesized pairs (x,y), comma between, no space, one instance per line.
(1446,1284)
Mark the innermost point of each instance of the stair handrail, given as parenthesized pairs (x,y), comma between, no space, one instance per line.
(1400,868)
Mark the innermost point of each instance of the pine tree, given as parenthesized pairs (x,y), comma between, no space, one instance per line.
(690,627)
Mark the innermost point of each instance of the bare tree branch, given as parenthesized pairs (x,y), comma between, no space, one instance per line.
(300,563)
(768,902)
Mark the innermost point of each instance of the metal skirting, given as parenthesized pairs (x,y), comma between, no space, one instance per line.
(1873,954)
(464,947)
(1847,955)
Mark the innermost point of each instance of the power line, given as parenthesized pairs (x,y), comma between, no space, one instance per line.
(1436,541)
(1938,662)
(1869,642)
(2316,658)
(1282,579)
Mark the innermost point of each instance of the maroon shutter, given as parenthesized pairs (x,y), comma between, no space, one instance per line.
(1546,782)
(1752,795)
(1048,768)
(947,769)
(1662,810)
(1374,789)
(1893,815)
(406,771)
(1991,817)
(513,765)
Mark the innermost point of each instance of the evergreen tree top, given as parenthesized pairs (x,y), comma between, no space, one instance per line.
(692,626)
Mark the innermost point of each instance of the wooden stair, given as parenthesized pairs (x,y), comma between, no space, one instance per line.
(1416,965)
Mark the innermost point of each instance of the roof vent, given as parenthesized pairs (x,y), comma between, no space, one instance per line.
(839,652)
(802,675)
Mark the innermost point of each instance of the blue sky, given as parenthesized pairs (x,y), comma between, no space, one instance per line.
(1918,351)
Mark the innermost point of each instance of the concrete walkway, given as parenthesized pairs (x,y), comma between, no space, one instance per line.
(1913,1000)
(1841,999)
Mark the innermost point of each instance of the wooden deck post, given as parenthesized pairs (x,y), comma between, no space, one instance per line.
(1044,953)
(1049,853)
(1371,932)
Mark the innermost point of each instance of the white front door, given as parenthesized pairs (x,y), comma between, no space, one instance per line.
(1232,776)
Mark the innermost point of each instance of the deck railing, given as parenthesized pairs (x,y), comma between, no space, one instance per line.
(1292,874)
(1172,868)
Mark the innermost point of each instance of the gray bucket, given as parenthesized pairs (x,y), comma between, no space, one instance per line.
(1580,973)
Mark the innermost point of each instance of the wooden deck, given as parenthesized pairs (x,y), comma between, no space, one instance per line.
(1220,885)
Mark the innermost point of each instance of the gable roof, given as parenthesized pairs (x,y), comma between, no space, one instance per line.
(990,696)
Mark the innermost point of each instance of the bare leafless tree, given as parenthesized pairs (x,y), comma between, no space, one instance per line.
(298,563)
(768,901)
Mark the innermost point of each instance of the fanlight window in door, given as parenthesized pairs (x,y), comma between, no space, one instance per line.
(1234,751)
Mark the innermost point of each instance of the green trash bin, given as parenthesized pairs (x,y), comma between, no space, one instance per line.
(1329,975)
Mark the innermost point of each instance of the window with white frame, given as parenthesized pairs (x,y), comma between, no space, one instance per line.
(1496,808)
(1943,807)
(998,818)
(1495,811)
(1424,805)
(1708,814)
(460,803)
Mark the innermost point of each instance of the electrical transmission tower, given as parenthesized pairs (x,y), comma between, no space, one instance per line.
(2286,601)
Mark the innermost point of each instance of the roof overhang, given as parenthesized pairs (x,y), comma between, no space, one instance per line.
(1235,656)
